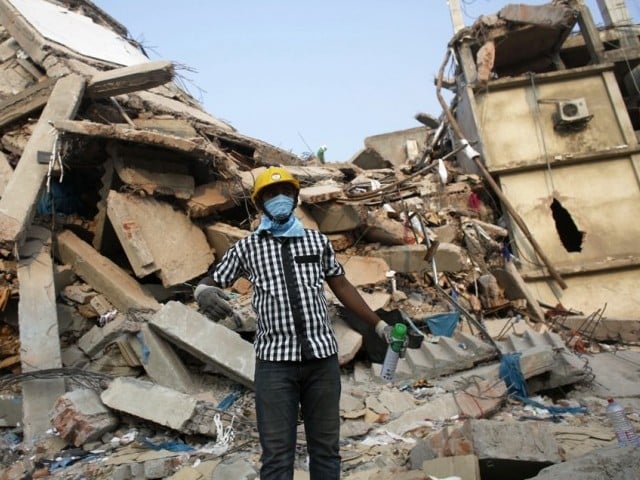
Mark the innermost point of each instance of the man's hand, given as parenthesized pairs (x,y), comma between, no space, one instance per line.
(383,329)
(213,302)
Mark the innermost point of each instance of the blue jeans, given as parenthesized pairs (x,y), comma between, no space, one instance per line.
(281,389)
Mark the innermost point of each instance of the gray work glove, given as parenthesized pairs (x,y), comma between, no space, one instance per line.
(213,302)
(383,329)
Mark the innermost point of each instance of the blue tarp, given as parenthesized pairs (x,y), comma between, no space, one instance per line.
(511,373)
(443,324)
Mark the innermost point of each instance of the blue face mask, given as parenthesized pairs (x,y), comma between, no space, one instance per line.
(279,207)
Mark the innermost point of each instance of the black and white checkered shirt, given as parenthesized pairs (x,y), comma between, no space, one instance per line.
(288,292)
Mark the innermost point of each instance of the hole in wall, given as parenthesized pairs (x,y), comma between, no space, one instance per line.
(570,236)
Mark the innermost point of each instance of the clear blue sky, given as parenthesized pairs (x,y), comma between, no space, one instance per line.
(302,74)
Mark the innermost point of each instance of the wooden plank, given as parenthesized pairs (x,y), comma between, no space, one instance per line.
(17,205)
(39,336)
(130,79)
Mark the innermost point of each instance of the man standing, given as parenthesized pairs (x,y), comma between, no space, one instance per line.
(297,363)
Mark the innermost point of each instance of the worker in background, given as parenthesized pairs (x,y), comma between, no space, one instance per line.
(297,363)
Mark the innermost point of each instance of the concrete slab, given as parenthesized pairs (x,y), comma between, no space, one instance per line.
(102,274)
(384,230)
(333,217)
(137,222)
(153,175)
(616,374)
(39,334)
(206,340)
(611,463)
(161,405)
(18,202)
(210,198)
(221,236)
(320,193)
(160,361)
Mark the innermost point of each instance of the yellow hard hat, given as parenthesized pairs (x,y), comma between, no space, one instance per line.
(271,176)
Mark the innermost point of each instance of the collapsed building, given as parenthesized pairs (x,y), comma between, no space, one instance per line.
(118,191)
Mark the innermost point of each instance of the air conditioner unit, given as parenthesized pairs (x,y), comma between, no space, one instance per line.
(572,112)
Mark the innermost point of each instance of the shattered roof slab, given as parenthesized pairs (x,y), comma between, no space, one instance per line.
(78,33)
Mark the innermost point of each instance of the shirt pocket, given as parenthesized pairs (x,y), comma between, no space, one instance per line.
(309,269)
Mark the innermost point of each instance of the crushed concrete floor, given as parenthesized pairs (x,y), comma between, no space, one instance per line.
(379,437)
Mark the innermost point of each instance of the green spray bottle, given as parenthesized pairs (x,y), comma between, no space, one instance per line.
(396,344)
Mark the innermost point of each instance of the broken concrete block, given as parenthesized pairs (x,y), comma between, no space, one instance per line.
(95,340)
(78,293)
(100,304)
(341,241)
(451,258)
(210,198)
(404,258)
(527,441)
(369,159)
(392,145)
(70,320)
(349,403)
(305,217)
(62,276)
(206,340)
(384,230)
(396,402)
(72,356)
(154,175)
(221,236)
(465,467)
(161,405)
(138,220)
(170,126)
(445,233)
(411,258)
(80,417)
(349,341)
(334,217)
(160,361)
(102,274)
(162,467)
(364,270)
(319,193)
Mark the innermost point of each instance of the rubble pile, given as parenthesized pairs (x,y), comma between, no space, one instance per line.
(118,192)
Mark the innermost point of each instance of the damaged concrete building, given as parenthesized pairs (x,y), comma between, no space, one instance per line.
(502,229)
